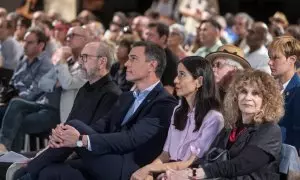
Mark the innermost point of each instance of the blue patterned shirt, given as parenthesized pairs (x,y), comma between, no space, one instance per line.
(26,76)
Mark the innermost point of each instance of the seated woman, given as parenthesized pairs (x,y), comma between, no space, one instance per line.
(195,122)
(253,106)
(176,40)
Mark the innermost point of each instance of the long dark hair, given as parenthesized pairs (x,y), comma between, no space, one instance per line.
(207,97)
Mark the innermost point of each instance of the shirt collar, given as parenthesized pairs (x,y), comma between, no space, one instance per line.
(285,85)
(145,92)
(41,56)
(98,84)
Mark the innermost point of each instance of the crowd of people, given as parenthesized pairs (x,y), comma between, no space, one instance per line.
(152,96)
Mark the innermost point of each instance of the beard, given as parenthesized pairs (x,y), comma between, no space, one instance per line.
(92,73)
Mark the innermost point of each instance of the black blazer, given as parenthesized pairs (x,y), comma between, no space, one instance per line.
(141,139)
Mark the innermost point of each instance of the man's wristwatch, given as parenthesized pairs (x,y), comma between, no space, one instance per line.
(79,143)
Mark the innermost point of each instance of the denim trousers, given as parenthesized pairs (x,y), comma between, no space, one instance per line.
(25,117)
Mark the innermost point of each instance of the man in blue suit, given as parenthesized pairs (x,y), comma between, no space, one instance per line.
(284,51)
(129,137)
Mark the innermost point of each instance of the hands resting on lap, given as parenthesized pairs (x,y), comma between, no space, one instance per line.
(63,136)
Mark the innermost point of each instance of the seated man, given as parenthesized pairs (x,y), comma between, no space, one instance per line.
(32,66)
(36,117)
(129,137)
(11,50)
(226,61)
(60,85)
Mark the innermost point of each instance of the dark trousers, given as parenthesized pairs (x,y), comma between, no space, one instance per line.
(2,112)
(23,117)
(98,167)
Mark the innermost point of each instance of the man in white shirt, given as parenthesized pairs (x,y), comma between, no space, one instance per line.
(258,54)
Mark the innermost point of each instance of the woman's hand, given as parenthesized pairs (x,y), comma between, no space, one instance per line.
(185,174)
(141,174)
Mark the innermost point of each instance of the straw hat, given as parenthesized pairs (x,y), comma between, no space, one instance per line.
(232,52)
(279,16)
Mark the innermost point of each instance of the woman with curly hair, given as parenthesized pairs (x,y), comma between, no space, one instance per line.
(196,121)
(249,147)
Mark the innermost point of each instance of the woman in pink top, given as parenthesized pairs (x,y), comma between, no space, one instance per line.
(196,120)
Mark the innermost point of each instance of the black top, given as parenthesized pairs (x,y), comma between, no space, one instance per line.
(119,77)
(93,101)
(254,155)
(170,72)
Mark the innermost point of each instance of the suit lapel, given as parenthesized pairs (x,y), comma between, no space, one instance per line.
(294,82)
(127,102)
(145,102)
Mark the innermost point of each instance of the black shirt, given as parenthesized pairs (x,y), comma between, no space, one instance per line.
(93,101)
(170,72)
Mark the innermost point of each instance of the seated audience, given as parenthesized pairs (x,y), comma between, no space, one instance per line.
(250,149)
(128,138)
(293,30)
(242,22)
(118,70)
(176,40)
(258,53)
(195,122)
(209,34)
(61,86)
(99,94)
(158,33)
(225,62)
(11,50)
(284,52)
(59,33)
(32,66)
(23,25)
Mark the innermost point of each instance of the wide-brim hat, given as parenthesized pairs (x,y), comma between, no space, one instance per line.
(280,17)
(232,52)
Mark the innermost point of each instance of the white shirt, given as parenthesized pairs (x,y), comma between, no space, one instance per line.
(284,86)
(259,59)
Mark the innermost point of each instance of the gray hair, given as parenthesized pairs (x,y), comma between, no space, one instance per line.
(106,50)
(180,28)
(234,63)
(247,17)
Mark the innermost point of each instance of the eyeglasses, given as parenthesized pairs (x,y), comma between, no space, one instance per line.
(174,34)
(219,64)
(72,35)
(84,57)
(30,42)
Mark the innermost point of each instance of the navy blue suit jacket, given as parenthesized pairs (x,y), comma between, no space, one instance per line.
(140,140)
(290,123)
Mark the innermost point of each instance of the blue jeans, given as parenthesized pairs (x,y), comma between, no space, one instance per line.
(23,117)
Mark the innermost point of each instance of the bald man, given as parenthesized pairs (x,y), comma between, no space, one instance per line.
(256,39)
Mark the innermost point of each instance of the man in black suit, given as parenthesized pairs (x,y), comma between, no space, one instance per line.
(129,137)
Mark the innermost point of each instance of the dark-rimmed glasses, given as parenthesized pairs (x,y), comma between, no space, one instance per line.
(84,57)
